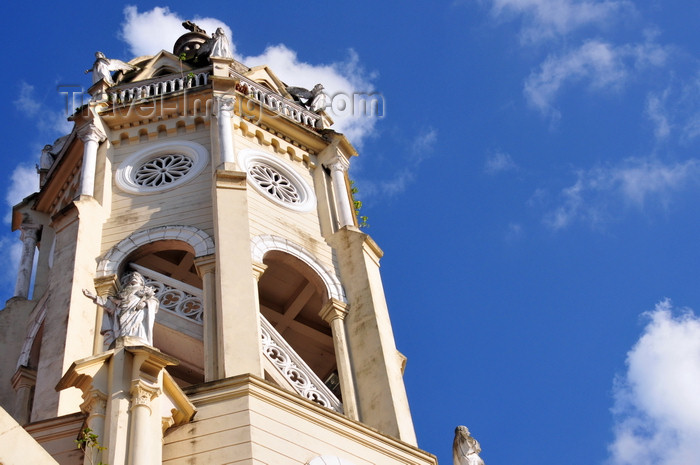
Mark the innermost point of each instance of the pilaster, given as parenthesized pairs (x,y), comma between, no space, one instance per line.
(206,269)
(69,327)
(381,395)
(237,315)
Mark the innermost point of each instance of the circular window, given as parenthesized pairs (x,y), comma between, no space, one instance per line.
(276,181)
(162,166)
(163,170)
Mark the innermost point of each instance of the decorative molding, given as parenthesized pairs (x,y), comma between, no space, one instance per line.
(293,367)
(262,244)
(200,241)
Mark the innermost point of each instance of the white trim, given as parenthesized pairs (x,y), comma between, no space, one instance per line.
(260,245)
(125,173)
(200,241)
(248,157)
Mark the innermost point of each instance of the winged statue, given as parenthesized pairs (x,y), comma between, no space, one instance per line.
(315,98)
(103,67)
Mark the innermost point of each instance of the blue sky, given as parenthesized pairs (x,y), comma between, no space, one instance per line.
(533,183)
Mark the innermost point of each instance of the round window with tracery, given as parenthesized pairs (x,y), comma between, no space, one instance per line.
(276,180)
(274,183)
(161,166)
(163,170)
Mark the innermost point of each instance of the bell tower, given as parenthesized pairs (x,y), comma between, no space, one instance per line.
(226,192)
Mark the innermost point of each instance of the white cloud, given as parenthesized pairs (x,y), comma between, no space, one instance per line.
(24,181)
(635,182)
(48,121)
(149,32)
(498,162)
(657,407)
(419,149)
(545,19)
(600,64)
(656,112)
(346,82)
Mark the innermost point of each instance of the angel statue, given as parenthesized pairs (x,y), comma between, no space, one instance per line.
(465,449)
(131,312)
(315,98)
(103,67)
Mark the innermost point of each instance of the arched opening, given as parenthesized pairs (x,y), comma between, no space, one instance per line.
(291,296)
(168,267)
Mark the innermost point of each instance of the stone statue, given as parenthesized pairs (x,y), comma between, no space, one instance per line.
(465,449)
(103,67)
(131,312)
(220,45)
(315,98)
(47,158)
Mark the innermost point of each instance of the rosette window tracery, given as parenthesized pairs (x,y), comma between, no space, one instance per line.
(162,170)
(274,183)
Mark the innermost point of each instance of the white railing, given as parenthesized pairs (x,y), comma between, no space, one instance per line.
(275,101)
(186,301)
(293,367)
(175,296)
(158,86)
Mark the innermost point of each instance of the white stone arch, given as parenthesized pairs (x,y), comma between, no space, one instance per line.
(260,245)
(200,241)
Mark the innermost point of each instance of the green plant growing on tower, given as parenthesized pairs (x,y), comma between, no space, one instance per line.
(357,205)
(88,441)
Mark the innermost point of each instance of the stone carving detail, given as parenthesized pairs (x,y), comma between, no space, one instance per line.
(142,394)
(298,373)
(171,298)
(465,449)
(131,312)
(163,170)
(103,67)
(274,183)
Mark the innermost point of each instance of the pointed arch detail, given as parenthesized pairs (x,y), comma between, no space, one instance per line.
(200,241)
(262,244)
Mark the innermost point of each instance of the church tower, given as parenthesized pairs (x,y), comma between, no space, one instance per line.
(256,329)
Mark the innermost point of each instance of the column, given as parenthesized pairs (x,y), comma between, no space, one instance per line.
(91,136)
(333,312)
(29,238)
(339,166)
(95,406)
(141,437)
(225,112)
(206,269)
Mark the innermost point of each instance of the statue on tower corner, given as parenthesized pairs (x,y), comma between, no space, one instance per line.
(465,449)
(131,312)
(220,45)
(103,67)
(315,98)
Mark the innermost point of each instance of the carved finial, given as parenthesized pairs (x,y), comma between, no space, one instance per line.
(465,449)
